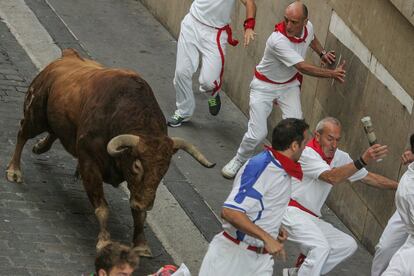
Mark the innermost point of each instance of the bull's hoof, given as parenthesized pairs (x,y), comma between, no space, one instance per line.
(143,251)
(14,176)
(41,147)
(101,244)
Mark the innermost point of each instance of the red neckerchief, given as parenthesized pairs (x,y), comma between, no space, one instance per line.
(317,147)
(291,167)
(281,28)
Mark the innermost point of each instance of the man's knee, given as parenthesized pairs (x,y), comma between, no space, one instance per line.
(349,245)
(318,254)
(181,73)
(297,114)
(208,86)
(256,133)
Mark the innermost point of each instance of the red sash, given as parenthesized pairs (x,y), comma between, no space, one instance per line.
(291,167)
(317,147)
(298,76)
(281,28)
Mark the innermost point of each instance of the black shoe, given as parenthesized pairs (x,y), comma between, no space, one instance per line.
(214,105)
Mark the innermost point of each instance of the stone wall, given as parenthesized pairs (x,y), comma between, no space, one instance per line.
(375,37)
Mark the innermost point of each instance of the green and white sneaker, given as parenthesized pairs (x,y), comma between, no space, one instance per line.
(214,104)
(177,120)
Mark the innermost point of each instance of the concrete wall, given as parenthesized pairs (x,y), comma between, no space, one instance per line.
(375,37)
(406,7)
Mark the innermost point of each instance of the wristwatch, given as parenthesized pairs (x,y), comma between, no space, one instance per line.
(322,53)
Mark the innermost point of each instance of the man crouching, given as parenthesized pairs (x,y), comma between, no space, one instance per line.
(254,209)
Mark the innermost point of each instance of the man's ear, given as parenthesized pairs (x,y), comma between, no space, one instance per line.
(317,136)
(295,146)
(102,272)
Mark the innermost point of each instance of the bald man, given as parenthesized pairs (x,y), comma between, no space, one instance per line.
(278,78)
(324,166)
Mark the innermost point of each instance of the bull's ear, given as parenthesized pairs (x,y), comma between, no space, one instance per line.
(137,168)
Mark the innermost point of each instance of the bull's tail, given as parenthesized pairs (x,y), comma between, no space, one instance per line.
(180,143)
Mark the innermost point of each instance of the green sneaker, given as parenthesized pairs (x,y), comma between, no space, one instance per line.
(176,120)
(214,105)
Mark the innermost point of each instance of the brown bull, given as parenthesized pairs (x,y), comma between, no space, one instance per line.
(110,120)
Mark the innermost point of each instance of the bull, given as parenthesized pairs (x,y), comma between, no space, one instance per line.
(111,122)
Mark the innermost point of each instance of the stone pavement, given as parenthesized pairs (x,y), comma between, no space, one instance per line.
(47,225)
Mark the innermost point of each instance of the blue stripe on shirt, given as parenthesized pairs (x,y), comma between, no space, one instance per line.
(251,173)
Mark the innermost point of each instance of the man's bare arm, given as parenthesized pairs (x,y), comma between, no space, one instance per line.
(250,8)
(340,174)
(240,221)
(379,181)
(326,57)
(308,69)
(249,33)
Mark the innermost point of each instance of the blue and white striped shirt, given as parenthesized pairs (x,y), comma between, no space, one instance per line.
(261,190)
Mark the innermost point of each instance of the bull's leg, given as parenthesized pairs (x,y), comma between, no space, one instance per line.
(92,182)
(140,243)
(44,144)
(26,131)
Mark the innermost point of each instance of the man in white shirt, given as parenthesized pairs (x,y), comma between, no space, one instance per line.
(402,263)
(394,235)
(254,209)
(205,32)
(324,165)
(277,78)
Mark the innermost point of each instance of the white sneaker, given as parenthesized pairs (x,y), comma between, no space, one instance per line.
(293,271)
(231,168)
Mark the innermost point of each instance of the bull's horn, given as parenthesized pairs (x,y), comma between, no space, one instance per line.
(119,143)
(180,143)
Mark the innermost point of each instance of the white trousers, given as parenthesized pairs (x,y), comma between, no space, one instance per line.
(225,258)
(197,39)
(324,245)
(393,237)
(402,263)
(262,96)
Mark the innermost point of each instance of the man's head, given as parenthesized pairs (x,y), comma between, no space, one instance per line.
(290,136)
(116,259)
(296,18)
(328,134)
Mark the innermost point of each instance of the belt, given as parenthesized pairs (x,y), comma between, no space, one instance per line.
(258,250)
(298,76)
(296,204)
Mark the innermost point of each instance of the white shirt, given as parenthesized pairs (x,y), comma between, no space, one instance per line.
(402,263)
(262,190)
(281,55)
(214,13)
(312,192)
(404,199)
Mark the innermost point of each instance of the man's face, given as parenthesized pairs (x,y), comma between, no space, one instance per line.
(124,270)
(329,139)
(294,20)
(299,148)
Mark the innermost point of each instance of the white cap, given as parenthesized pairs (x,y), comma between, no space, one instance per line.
(366,121)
